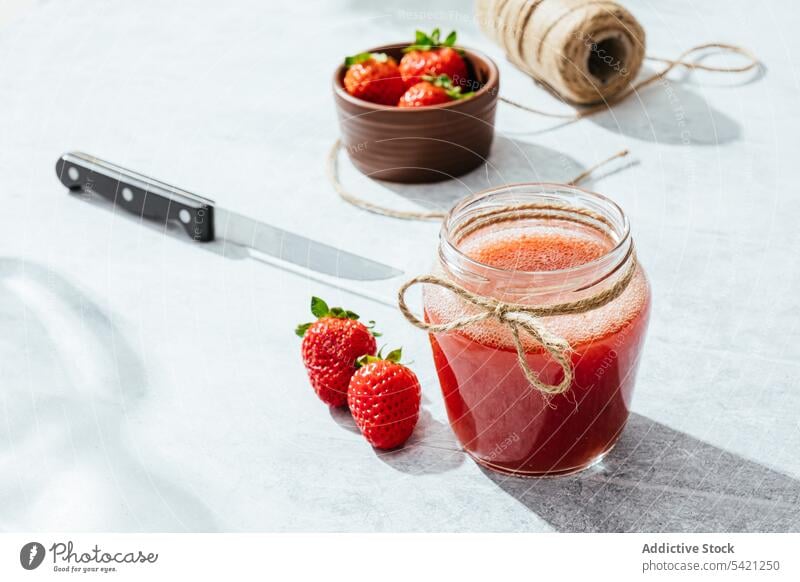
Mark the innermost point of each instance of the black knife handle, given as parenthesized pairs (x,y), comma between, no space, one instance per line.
(138,194)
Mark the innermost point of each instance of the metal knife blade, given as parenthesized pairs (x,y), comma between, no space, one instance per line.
(299,250)
(203,221)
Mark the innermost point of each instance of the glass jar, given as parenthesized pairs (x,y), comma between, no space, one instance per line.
(540,245)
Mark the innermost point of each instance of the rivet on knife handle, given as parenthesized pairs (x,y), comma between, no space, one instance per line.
(138,194)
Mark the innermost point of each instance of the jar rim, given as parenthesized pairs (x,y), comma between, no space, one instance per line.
(542,188)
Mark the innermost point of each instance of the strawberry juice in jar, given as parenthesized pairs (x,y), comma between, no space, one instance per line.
(538,244)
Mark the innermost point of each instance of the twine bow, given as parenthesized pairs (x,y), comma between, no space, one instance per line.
(516,317)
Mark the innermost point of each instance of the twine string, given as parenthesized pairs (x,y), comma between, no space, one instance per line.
(671,64)
(517,318)
(514,317)
(332,171)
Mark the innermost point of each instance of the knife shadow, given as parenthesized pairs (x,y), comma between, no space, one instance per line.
(167,228)
(224,248)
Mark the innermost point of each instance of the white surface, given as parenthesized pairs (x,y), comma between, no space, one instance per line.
(149,384)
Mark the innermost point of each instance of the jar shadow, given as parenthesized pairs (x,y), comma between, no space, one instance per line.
(661,480)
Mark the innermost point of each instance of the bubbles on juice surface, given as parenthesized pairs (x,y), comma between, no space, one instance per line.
(544,248)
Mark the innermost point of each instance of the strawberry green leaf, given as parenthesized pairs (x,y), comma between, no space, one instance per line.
(424,42)
(394,355)
(301,329)
(319,308)
(455,93)
(446,83)
(371,327)
(356,59)
(442,81)
(367,359)
(364,57)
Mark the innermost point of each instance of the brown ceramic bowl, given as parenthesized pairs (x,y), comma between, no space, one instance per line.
(427,144)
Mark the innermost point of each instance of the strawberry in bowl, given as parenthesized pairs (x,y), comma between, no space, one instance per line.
(374,77)
(441,123)
(432,68)
(432,91)
(432,57)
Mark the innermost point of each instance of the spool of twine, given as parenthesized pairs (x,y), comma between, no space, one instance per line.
(587,52)
(517,317)
(583,50)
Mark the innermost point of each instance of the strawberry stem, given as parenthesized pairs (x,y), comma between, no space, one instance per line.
(394,356)
(443,81)
(364,57)
(320,309)
(426,42)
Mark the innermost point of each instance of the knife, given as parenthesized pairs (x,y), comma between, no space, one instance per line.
(204,221)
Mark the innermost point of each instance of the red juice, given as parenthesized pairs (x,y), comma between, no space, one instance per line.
(498,417)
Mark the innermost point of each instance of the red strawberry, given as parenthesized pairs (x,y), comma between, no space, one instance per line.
(373,77)
(331,346)
(429,56)
(384,399)
(431,91)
